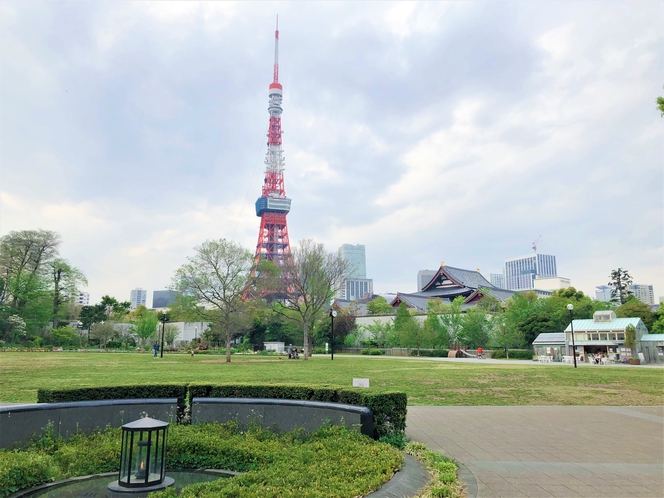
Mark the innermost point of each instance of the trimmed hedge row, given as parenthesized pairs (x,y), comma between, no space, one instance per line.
(431,353)
(139,391)
(389,409)
(515,354)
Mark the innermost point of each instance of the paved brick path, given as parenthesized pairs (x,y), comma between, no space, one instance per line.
(559,451)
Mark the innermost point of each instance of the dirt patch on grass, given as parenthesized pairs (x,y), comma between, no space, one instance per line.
(487,379)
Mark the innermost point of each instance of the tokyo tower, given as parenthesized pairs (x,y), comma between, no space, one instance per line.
(273,205)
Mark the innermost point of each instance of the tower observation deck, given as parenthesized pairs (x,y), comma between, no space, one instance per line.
(273,205)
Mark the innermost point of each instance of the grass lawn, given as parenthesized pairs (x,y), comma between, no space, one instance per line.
(426,382)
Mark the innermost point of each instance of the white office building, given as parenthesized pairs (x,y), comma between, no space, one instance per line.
(355,288)
(520,273)
(138,297)
(552,284)
(82,298)
(497,280)
(424,277)
(643,293)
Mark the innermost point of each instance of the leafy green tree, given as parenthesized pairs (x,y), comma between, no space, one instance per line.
(630,337)
(310,278)
(452,318)
(171,333)
(505,335)
(634,308)
(146,326)
(434,329)
(380,333)
(658,325)
(379,306)
(115,310)
(66,282)
(660,105)
(536,324)
(620,281)
(477,328)
(24,278)
(65,336)
(217,275)
(103,332)
(92,314)
(16,329)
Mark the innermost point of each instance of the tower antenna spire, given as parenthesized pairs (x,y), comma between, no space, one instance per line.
(276,52)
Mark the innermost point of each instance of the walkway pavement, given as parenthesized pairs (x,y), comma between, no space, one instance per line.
(549,451)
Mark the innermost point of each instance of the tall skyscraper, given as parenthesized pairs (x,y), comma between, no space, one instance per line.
(138,297)
(355,257)
(520,272)
(356,285)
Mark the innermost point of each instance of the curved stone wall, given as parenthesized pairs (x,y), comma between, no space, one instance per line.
(18,424)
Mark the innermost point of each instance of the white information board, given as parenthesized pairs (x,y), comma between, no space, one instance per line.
(360,382)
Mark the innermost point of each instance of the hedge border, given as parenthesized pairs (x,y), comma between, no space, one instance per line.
(389,409)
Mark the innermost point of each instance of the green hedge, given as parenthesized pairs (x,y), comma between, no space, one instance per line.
(178,391)
(389,409)
(435,353)
(516,354)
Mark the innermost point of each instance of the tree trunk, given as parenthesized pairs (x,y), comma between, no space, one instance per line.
(305,343)
(56,297)
(228,346)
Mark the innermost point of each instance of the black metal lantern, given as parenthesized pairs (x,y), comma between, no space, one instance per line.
(142,457)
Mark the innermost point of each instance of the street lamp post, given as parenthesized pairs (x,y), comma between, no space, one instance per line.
(570,307)
(163,319)
(333,313)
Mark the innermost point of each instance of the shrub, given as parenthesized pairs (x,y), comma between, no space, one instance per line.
(373,352)
(516,354)
(331,461)
(319,350)
(23,470)
(114,344)
(435,353)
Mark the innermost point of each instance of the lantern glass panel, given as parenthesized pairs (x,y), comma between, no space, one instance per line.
(143,453)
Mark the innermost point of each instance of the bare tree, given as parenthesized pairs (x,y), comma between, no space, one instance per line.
(310,278)
(217,277)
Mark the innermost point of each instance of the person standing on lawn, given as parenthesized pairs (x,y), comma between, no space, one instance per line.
(156,349)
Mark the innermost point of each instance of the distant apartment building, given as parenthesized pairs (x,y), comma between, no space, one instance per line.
(520,273)
(643,293)
(424,277)
(163,298)
(138,297)
(355,284)
(82,298)
(497,280)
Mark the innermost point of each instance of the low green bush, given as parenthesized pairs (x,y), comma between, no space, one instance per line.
(23,470)
(444,482)
(333,461)
(516,354)
(372,352)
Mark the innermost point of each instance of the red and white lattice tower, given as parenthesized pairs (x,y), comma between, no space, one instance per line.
(273,205)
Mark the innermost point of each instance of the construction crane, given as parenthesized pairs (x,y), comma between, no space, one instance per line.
(535,244)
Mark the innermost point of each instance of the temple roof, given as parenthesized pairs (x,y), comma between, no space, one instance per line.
(449,275)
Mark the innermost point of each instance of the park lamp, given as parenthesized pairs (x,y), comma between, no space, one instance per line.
(142,458)
(333,313)
(570,307)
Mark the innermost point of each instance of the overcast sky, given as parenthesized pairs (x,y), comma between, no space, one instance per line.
(434,131)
